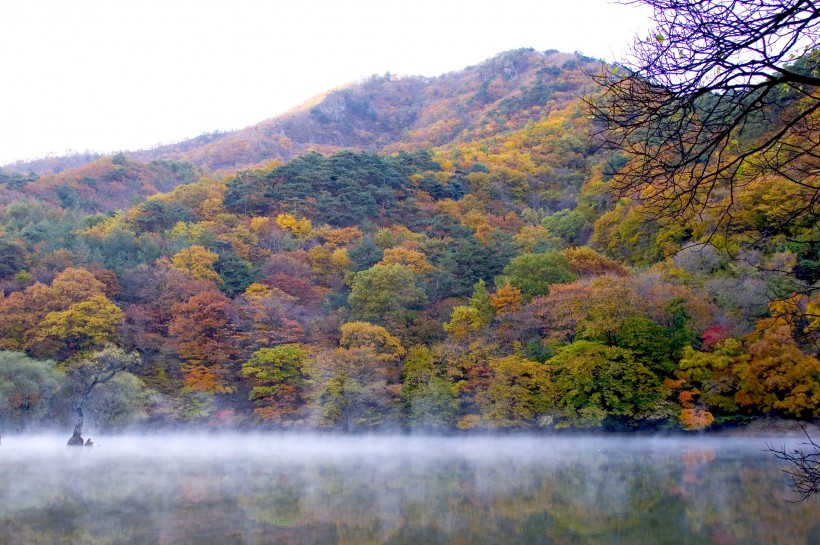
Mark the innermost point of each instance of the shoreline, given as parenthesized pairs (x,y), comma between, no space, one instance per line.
(755,428)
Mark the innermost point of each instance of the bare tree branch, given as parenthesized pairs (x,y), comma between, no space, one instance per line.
(710,102)
(722,98)
(804,469)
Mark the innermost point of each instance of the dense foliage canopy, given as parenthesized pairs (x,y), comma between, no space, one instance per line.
(477,269)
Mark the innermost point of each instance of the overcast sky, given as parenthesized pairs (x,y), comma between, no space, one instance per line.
(109,75)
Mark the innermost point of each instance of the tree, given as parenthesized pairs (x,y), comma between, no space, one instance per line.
(559,315)
(611,300)
(506,300)
(533,274)
(412,259)
(301,228)
(235,273)
(384,293)
(245,193)
(153,291)
(518,390)
(356,384)
(426,395)
(280,380)
(690,108)
(97,369)
(591,382)
(386,348)
(200,332)
(777,376)
(26,388)
(198,262)
(480,300)
(351,388)
(584,261)
(73,286)
(469,261)
(158,215)
(123,401)
(567,224)
(708,383)
(82,326)
(12,259)
(464,321)
(267,317)
(71,303)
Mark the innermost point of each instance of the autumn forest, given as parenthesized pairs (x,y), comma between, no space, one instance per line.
(462,252)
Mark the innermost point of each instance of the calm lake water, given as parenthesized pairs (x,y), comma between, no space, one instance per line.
(287,489)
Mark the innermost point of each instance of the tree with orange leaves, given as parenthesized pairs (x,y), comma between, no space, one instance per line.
(778,376)
(200,333)
(506,300)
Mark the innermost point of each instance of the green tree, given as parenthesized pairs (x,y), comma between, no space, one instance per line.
(533,274)
(426,396)
(236,273)
(27,387)
(469,261)
(280,378)
(464,322)
(480,300)
(592,383)
(246,193)
(12,259)
(158,215)
(708,380)
(383,294)
(650,342)
(567,224)
(365,254)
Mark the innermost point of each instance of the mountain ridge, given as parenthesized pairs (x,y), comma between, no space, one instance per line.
(380,114)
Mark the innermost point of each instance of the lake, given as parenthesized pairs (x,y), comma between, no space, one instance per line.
(257,489)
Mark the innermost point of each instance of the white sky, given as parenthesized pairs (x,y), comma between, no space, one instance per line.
(108,75)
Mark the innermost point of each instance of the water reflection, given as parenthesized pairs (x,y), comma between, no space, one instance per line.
(397,490)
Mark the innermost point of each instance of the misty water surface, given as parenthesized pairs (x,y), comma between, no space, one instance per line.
(225,489)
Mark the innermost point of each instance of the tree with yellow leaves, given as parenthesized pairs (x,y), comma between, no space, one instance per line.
(198,262)
(82,326)
(385,346)
(301,228)
(412,259)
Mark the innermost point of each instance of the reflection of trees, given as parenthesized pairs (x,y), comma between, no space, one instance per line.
(600,498)
(557,494)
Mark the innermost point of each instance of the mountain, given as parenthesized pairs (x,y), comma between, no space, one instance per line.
(383,114)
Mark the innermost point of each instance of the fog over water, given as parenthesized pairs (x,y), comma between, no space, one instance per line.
(292,488)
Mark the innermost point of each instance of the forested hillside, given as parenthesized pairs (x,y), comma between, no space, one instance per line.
(411,252)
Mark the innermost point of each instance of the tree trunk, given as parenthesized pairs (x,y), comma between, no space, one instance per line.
(76,439)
